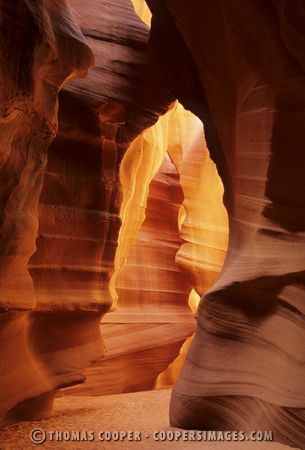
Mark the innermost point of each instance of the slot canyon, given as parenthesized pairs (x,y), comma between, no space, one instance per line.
(152,215)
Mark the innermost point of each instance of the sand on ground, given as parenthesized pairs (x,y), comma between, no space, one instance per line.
(142,412)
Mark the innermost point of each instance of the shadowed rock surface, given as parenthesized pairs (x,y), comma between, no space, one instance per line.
(101,221)
(62,214)
(145,412)
(41,47)
(240,68)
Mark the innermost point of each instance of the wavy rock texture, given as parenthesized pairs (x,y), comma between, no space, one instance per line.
(41,48)
(82,194)
(66,281)
(203,217)
(203,223)
(92,177)
(241,69)
(34,65)
(152,320)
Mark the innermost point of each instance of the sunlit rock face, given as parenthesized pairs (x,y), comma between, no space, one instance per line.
(108,218)
(163,199)
(150,317)
(152,320)
(142,10)
(68,207)
(203,219)
(152,292)
(203,222)
(82,193)
(240,68)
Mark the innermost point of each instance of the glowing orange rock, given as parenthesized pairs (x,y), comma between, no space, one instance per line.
(245,367)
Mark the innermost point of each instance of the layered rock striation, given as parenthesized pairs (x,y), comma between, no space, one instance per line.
(60,215)
(240,69)
(166,197)
(42,47)
(152,319)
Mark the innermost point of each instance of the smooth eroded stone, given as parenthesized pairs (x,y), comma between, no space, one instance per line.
(239,65)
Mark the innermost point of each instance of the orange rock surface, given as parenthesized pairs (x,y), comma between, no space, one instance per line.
(60,216)
(240,68)
(154,314)
(40,51)
(112,215)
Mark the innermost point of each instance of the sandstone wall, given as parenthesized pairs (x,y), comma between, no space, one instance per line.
(239,66)
(60,214)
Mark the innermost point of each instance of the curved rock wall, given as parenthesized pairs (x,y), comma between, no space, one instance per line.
(142,10)
(241,71)
(153,319)
(203,223)
(76,240)
(203,217)
(36,61)
(150,317)
(75,196)
(82,194)
(34,65)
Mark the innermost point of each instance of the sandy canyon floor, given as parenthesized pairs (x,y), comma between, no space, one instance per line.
(145,412)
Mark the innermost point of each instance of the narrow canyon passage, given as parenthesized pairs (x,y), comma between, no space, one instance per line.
(129,221)
(161,257)
(152,217)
